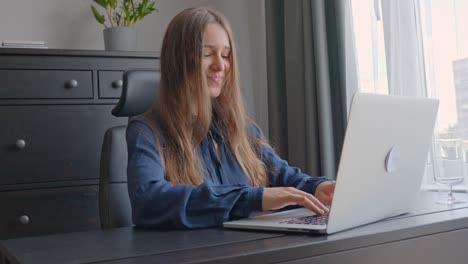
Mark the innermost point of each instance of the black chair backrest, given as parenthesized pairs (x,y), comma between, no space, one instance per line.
(139,91)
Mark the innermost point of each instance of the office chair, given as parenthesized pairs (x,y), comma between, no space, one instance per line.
(138,92)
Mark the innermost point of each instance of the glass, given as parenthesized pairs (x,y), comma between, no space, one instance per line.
(449,166)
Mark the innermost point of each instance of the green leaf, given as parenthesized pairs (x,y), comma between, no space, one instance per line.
(99,18)
(112,3)
(140,8)
(150,7)
(102,3)
(126,10)
(131,19)
(133,7)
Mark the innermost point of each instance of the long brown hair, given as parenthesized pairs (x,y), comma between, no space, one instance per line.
(185,108)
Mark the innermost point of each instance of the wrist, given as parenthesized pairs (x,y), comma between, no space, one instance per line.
(249,202)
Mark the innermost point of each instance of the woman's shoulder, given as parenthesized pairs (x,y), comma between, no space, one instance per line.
(143,126)
(139,123)
(253,129)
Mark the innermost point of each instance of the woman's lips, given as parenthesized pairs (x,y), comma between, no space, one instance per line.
(216,79)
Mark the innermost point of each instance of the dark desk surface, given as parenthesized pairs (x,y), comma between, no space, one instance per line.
(130,245)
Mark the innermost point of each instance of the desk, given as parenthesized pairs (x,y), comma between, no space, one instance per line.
(431,235)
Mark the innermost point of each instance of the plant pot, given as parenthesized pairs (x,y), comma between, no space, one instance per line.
(120,38)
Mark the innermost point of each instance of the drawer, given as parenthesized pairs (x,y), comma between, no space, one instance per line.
(52,142)
(46,211)
(110,84)
(45,84)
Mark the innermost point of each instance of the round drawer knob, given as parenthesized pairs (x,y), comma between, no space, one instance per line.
(20,143)
(24,219)
(71,84)
(117,84)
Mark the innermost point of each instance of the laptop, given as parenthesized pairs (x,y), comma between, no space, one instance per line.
(381,167)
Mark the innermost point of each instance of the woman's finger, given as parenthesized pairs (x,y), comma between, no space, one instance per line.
(304,201)
(310,197)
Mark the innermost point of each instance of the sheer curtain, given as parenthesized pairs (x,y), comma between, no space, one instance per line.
(403,47)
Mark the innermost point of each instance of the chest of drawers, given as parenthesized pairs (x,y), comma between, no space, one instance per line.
(54,109)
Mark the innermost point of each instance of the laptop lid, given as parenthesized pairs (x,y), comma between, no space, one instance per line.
(383,158)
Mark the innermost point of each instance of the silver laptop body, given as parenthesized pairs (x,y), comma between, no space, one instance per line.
(381,167)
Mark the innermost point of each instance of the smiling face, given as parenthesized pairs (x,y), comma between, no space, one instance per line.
(216,57)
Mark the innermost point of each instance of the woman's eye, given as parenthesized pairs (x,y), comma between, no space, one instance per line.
(206,54)
(226,56)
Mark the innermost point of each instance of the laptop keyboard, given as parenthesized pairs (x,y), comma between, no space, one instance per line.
(308,220)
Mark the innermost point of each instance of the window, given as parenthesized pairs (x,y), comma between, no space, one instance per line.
(370,47)
(445,40)
(442,36)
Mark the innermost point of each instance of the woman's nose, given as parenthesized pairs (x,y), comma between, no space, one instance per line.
(217,63)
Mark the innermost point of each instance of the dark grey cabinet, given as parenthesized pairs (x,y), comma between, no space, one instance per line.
(48,210)
(110,84)
(54,109)
(41,84)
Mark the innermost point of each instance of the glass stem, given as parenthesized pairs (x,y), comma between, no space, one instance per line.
(450,194)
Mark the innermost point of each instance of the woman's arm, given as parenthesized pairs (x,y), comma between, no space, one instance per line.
(158,203)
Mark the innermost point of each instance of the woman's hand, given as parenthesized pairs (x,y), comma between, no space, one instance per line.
(324,192)
(279,197)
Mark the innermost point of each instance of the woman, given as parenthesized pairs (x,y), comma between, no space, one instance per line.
(195,160)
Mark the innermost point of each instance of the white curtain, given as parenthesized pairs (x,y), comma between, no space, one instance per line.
(403,47)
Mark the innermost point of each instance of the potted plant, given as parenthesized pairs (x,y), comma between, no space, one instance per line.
(119,20)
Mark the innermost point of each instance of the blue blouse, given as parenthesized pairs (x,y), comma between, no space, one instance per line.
(224,195)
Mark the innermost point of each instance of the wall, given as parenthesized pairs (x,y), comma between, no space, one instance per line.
(68,24)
